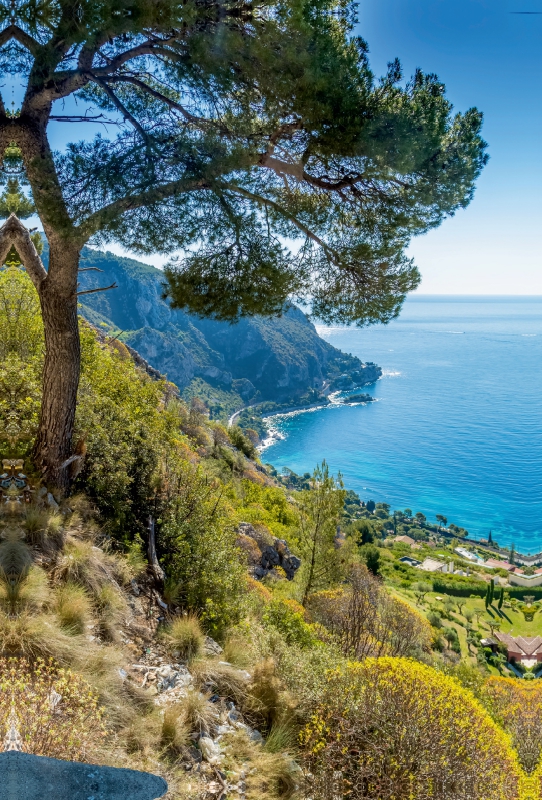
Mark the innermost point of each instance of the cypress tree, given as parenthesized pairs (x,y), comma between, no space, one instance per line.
(491,591)
(501,599)
(487,596)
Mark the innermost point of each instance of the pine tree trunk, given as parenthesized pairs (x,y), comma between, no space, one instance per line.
(58,300)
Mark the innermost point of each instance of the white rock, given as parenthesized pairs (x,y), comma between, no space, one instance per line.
(211,648)
(210,750)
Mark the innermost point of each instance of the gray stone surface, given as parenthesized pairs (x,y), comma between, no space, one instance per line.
(29,777)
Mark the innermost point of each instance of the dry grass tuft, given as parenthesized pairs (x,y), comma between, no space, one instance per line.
(266,696)
(143,734)
(84,563)
(73,607)
(237,652)
(195,712)
(175,729)
(111,606)
(39,635)
(273,776)
(33,591)
(185,636)
(222,679)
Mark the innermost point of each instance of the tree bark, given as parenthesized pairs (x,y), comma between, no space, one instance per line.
(58,299)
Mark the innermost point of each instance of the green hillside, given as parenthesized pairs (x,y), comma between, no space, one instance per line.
(280,360)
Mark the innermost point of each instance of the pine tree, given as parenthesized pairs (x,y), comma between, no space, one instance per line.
(239,127)
(320,510)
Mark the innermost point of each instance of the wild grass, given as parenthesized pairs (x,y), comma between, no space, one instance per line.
(237,652)
(221,679)
(266,697)
(32,635)
(185,637)
(282,738)
(195,712)
(175,729)
(33,591)
(273,776)
(143,735)
(111,606)
(84,563)
(73,607)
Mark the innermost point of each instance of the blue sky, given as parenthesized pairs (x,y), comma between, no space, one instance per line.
(491,59)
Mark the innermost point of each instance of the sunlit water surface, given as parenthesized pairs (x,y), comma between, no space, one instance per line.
(457,429)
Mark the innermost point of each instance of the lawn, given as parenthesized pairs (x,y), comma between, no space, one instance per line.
(511,621)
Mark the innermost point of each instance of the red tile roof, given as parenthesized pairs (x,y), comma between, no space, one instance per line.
(524,646)
(492,562)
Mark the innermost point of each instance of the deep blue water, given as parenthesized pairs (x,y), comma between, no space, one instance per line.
(457,429)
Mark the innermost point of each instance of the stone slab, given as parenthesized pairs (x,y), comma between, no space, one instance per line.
(27,777)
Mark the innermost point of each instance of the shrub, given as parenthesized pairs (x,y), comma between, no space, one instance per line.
(415,733)
(289,622)
(184,635)
(434,619)
(53,710)
(242,442)
(199,538)
(366,620)
(517,706)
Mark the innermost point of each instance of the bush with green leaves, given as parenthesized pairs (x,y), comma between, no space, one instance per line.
(288,620)
(242,442)
(198,538)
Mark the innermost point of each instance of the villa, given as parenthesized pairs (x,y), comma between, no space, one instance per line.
(405,540)
(433,565)
(495,564)
(521,648)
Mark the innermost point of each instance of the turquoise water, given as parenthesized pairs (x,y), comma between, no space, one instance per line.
(457,426)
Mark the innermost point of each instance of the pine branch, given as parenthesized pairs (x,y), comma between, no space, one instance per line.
(101,289)
(123,110)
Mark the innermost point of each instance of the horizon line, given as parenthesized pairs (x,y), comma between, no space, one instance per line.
(470,294)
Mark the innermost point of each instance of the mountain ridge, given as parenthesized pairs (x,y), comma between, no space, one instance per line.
(257,359)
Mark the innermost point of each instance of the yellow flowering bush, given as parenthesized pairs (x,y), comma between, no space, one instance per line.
(517,706)
(48,711)
(392,729)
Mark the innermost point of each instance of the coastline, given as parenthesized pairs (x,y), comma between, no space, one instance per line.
(275,435)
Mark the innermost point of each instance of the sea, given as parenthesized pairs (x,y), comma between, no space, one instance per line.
(456,426)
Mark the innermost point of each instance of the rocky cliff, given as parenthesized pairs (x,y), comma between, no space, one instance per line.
(256,359)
